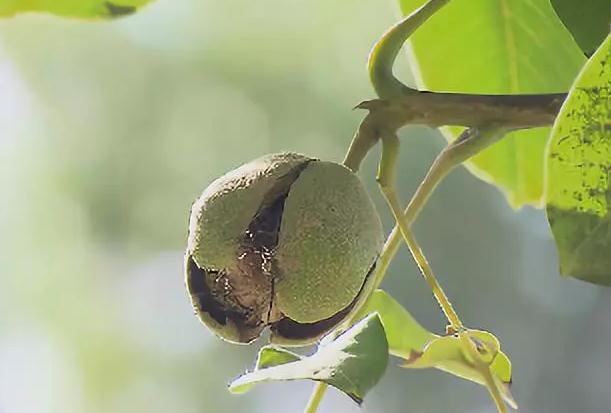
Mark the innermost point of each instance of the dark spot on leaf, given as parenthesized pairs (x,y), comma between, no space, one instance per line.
(413,356)
(116,10)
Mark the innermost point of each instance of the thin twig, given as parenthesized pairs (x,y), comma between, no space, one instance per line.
(316,397)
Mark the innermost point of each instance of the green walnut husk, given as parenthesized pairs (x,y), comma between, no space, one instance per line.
(285,242)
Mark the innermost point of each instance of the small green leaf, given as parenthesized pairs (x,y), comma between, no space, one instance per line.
(403,332)
(579,174)
(271,355)
(73,8)
(498,47)
(422,349)
(588,21)
(446,353)
(353,363)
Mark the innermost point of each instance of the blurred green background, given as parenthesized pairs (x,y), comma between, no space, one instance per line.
(108,132)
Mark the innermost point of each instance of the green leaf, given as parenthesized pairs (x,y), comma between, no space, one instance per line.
(73,8)
(579,174)
(403,332)
(495,47)
(446,353)
(588,21)
(271,355)
(354,362)
(422,349)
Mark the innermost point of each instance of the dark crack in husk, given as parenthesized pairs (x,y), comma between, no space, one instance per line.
(244,296)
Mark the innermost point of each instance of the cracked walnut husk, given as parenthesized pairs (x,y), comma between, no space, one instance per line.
(285,242)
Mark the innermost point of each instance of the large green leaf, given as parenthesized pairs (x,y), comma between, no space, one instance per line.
(422,349)
(493,47)
(73,8)
(353,363)
(579,174)
(588,21)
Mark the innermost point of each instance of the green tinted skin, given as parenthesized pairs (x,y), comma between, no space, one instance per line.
(221,215)
(329,239)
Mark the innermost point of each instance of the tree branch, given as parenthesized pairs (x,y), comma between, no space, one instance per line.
(503,112)
(439,109)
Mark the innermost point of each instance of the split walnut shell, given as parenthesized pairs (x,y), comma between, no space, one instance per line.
(285,242)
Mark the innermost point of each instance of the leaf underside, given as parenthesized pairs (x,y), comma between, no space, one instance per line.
(588,21)
(579,174)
